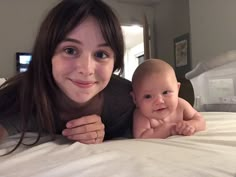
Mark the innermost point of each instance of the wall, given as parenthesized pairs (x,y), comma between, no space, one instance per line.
(20,21)
(131,60)
(19,24)
(131,13)
(213,28)
(171,20)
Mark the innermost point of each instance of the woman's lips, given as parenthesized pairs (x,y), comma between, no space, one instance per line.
(84,84)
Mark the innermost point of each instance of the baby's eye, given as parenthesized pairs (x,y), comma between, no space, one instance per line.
(70,51)
(166,92)
(101,55)
(147,96)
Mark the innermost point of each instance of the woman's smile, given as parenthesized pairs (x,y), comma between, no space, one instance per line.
(84,84)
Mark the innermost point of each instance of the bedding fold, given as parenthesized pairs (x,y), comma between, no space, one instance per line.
(210,153)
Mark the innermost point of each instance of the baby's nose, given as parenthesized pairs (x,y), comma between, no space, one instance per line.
(159,100)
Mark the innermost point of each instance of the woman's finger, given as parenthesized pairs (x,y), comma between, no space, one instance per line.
(83,136)
(91,141)
(83,121)
(84,129)
(100,134)
(90,137)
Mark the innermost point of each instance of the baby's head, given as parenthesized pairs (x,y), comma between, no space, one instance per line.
(153,66)
(155,88)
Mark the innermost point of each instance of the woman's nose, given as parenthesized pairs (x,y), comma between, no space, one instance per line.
(85,65)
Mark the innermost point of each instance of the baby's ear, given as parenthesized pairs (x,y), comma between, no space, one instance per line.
(133,96)
(178,84)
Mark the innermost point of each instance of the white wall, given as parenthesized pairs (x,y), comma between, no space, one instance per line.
(19,23)
(213,28)
(131,60)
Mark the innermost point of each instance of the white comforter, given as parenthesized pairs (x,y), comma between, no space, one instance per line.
(211,153)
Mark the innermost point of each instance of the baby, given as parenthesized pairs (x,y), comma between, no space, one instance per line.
(160,113)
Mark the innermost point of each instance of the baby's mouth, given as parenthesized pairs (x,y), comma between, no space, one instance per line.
(159,109)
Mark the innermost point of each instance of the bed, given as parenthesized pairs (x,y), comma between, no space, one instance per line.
(209,153)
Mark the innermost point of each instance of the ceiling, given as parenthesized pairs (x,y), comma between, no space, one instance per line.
(141,2)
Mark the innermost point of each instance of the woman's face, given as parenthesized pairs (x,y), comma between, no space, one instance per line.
(83,62)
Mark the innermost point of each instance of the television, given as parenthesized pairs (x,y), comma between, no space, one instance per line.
(22,61)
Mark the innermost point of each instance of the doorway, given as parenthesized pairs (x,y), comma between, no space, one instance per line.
(134,49)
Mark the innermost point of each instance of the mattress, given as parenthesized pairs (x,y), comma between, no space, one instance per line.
(210,153)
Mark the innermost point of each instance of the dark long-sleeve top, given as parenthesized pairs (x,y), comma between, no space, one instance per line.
(116,113)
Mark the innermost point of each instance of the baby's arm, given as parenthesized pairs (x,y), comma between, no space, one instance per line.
(165,130)
(192,120)
(141,124)
(143,127)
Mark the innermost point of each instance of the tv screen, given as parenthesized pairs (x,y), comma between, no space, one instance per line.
(22,61)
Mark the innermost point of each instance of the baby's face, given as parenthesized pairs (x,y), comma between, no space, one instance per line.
(157,96)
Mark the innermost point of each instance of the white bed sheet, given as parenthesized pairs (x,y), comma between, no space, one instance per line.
(211,153)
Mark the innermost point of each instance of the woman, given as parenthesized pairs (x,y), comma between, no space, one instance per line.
(69,86)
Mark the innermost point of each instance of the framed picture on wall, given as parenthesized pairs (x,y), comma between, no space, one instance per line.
(182,55)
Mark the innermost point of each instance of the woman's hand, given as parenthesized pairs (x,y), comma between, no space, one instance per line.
(87,129)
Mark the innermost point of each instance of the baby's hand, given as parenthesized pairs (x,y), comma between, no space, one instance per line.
(183,128)
(155,123)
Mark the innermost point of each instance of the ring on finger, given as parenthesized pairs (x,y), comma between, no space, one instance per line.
(96,135)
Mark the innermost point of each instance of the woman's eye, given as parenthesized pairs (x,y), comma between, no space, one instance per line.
(70,51)
(147,96)
(101,55)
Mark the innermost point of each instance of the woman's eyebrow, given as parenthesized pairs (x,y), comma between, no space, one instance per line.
(72,40)
(105,44)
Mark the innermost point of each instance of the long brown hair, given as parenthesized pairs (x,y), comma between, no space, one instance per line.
(37,96)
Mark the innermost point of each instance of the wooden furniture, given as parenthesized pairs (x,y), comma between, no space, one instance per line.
(186,90)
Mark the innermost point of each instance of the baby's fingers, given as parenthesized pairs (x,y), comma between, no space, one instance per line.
(188,131)
(180,128)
